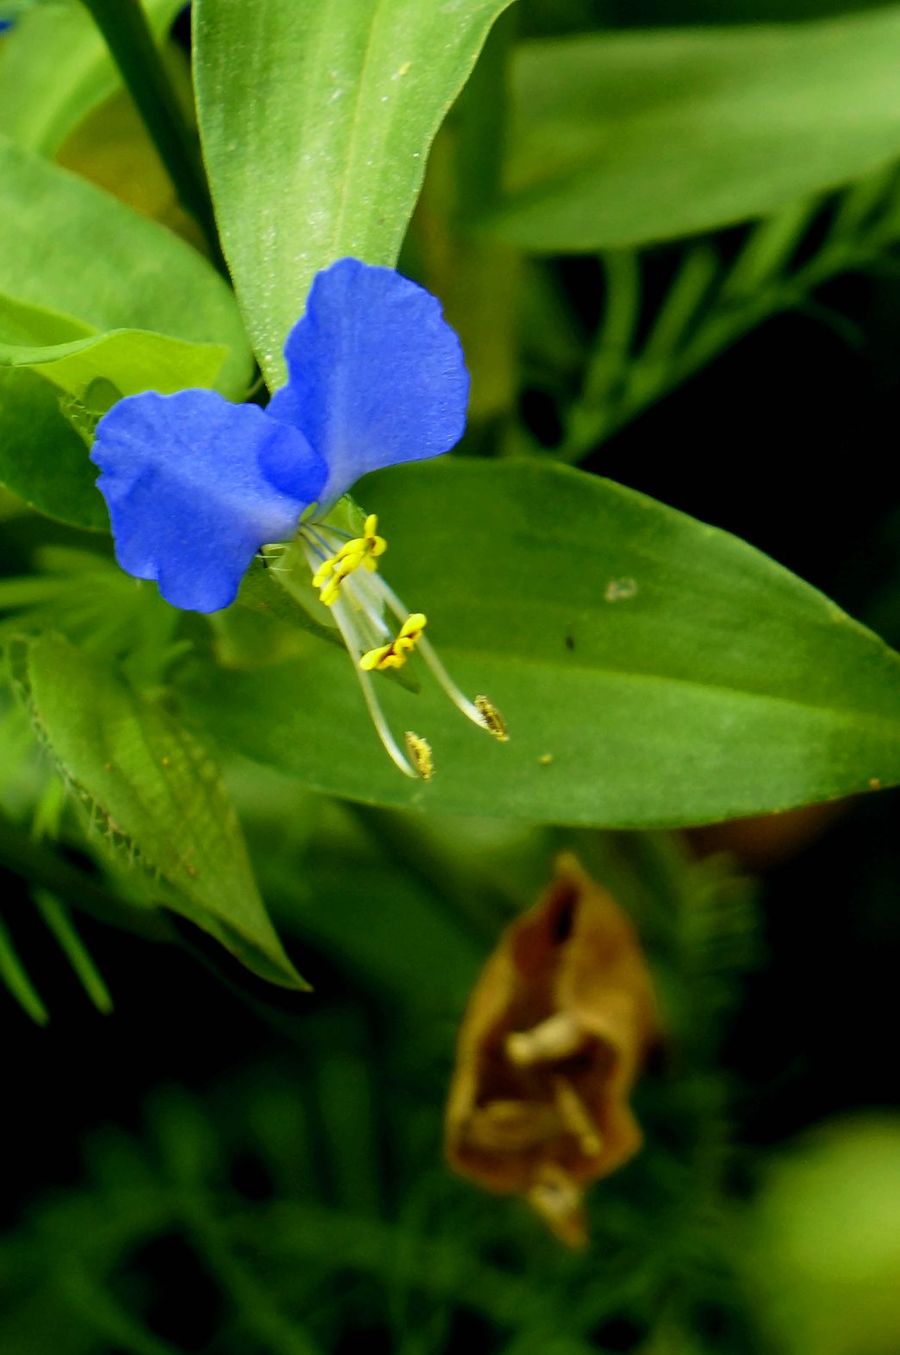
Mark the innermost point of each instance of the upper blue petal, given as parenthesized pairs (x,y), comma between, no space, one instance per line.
(376,375)
(189,499)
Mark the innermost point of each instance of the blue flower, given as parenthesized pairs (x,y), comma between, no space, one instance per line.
(196,486)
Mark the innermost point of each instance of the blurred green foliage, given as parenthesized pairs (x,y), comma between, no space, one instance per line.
(303,1201)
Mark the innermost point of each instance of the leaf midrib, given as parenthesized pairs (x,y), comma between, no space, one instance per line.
(360,89)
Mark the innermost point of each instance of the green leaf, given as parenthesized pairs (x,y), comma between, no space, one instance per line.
(55,68)
(70,248)
(24,324)
(81,275)
(42,458)
(652,670)
(132,359)
(316,119)
(624,138)
(154,793)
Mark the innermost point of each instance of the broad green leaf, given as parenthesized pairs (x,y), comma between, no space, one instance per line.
(316,119)
(72,355)
(42,459)
(132,359)
(68,247)
(153,791)
(652,670)
(623,138)
(55,68)
(24,324)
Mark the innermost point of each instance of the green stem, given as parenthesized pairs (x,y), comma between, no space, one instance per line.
(682,301)
(728,319)
(609,359)
(130,41)
(769,248)
(614,340)
(727,325)
(861,202)
(677,316)
(15,976)
(74,949)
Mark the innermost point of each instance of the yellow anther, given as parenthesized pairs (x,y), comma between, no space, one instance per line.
(331,592)
(383,657)
(398,651)
(419,751)
(491,719)
(376,544)
(361,550)
(323,573)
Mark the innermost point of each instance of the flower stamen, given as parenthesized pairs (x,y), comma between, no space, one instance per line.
(358,551)
(491,718)
(395,654)
(345,570)
(348,632)
(482,711)
(419,750)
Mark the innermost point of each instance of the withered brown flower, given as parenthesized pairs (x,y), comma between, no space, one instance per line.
(554,1035)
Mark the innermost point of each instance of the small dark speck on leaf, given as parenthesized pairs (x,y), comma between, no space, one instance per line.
(570,642)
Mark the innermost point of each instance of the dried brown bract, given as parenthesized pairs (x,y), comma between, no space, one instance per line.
(553,1038)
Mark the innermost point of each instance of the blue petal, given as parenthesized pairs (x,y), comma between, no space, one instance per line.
(376,375)
(189,500)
